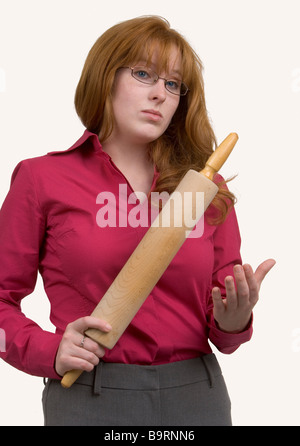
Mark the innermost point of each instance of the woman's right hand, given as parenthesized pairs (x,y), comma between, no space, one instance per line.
(71,354)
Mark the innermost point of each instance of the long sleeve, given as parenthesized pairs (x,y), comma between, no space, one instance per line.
(22,228)
(227,243)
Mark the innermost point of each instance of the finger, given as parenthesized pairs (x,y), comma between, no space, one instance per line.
(92,346)
(231,294)
(219,307)
(83,323)
(87,355)
(83,360)
(73,356)
(242,287)
(252,284)
(263,269)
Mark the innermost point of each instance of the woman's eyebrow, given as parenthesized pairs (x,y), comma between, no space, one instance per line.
(143,62)
(176,72)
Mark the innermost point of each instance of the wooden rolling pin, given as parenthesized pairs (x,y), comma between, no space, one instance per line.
(154,253)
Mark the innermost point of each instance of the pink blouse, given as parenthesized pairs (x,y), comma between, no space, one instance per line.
(49,223)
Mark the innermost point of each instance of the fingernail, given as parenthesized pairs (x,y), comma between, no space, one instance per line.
(108,326)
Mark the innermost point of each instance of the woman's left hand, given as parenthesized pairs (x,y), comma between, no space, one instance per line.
(234,313)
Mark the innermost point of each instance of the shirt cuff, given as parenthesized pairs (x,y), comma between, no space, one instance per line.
(42,355)
(229,342)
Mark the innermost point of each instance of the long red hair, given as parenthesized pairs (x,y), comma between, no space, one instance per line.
(189,139)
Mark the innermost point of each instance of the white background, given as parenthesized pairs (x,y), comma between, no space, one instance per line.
(250,51)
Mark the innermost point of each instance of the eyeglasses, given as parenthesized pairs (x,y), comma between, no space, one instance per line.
(148,76)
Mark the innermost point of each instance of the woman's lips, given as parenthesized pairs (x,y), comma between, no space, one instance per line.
(154,115)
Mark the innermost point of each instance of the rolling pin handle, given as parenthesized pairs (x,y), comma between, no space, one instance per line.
(219,156)
(70,377)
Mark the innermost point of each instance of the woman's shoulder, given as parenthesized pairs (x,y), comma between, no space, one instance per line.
(55,159)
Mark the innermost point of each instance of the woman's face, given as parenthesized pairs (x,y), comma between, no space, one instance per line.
(143,112)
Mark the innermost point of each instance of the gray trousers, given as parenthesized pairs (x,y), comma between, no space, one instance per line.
(184,393)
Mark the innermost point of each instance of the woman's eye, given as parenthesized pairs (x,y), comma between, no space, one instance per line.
(173,85)
(142,74)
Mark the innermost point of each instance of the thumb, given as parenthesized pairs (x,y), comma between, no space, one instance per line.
(263,269)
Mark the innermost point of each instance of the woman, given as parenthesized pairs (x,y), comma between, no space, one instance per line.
(141,99)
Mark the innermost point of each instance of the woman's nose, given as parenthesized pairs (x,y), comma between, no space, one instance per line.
(158,90)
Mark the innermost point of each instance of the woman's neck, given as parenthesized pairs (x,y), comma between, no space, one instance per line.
(133,161)
(126,152)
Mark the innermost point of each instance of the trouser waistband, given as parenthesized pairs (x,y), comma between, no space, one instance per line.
(144,377)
